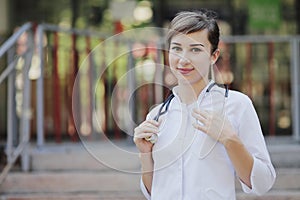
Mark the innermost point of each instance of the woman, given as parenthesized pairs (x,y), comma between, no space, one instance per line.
(204,141)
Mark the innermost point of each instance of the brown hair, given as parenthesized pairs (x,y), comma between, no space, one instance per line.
(192,21)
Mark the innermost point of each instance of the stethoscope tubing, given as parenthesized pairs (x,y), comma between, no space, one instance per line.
(167,102)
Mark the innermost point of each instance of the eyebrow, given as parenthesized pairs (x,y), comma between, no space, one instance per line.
(192,45)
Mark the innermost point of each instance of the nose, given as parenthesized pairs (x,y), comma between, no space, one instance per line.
(184,61)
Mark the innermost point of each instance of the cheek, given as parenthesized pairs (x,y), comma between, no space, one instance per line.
(203,71)
(201,62)
(173,59)
(202,66)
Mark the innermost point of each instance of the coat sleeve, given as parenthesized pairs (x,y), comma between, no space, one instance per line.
(150,115)
(263,174)
(144,190)
(262,177)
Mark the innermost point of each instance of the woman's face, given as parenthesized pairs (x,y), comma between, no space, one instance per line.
(190,58)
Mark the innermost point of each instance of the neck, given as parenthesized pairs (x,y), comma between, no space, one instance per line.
(189,93)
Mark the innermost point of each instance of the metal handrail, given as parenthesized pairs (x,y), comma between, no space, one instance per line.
(292,40)
(13,39)
(22,148)
(41,29)
(258,39)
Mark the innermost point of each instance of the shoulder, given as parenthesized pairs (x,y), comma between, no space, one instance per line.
(153,111)
(239,105)
(157,108)
(239,98)
(242,113)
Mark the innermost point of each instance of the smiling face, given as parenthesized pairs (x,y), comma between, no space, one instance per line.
(190,58)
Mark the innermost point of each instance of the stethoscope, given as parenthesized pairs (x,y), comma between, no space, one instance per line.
(165,106)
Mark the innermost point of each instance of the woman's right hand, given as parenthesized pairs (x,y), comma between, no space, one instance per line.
(145,130)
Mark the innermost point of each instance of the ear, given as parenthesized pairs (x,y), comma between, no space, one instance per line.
(214,56)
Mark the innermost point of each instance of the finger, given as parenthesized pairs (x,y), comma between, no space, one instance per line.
(147,129)
(200,118)
(149,125)
(203,113)
(153,122)
(208,116)
(146,124)
(142,129)
(200,127)
(143,135)
(159,121)
(150,139)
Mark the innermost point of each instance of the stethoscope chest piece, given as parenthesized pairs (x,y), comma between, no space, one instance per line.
(153,138)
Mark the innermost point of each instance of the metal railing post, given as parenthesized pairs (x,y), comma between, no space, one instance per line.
(26,109)
(131,88)
(23,147)
(158,76)
(56,90)
(249,68)
(11,108)
(295,85)
(90,74)
(272,112)
(40,88)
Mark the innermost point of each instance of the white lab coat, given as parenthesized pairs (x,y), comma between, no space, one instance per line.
(190,165)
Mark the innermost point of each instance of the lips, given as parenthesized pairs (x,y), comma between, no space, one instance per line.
(184,71)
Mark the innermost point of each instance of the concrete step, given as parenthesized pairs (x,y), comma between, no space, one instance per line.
(76,196)
(118,196)
(120,156)
(130,196)
(285,155)
(72,181)
(71,185)
(123,156)
(112,184)
(69,182)
(272,195)
(106,170)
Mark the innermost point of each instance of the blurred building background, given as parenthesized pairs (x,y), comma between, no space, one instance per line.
(261,69)
(79,88)
(279,17)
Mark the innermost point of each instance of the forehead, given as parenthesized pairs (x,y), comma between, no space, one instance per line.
(192,38)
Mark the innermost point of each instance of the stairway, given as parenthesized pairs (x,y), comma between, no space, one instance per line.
(70,171)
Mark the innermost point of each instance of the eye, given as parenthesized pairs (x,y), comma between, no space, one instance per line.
(196,50)
(176,49)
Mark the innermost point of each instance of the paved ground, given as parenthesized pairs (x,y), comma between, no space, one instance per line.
(114,185)
(69,171)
